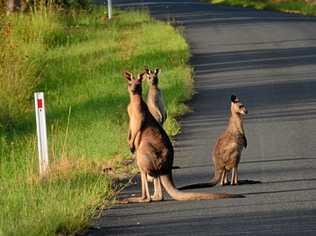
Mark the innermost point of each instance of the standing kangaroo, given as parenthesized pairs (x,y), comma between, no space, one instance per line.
(228,148)
(154,151)
(155,101)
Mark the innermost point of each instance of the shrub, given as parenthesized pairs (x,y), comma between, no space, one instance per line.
(16,79)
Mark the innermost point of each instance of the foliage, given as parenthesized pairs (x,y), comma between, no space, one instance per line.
(77,59)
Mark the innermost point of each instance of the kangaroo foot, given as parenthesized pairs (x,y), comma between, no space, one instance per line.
(156,198)
(134,200)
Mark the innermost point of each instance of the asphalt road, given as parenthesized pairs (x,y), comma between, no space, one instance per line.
(269,60)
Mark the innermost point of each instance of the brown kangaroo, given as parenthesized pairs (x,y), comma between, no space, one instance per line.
(155,101)
(154,151)
(228,148)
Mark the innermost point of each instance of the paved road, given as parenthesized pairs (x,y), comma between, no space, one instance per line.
(269,60)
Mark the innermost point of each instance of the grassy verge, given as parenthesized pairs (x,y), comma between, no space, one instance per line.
(77,60)
(289,6)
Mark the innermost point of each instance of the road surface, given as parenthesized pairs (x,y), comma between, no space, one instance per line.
(269,60)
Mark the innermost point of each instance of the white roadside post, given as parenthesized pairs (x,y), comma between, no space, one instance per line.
(109,9)
(41,133)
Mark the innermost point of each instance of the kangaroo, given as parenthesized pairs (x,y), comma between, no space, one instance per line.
(228,148)
(155,101)
(154,151)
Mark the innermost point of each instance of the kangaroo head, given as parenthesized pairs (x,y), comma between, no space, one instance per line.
(134,84)
(237,106)
(152,76)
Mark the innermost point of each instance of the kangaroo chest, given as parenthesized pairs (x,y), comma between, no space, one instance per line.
(136,118)
(154,97)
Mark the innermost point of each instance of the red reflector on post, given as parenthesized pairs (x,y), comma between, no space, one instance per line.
(39,103)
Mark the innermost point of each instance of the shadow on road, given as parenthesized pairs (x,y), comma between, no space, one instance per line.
(296,221)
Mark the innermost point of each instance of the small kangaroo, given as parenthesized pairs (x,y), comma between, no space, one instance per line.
(228,148)
(154,151)
(155,101)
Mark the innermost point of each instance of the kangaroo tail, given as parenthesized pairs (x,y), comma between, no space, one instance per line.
(212,183)
(198,185)
(168,184)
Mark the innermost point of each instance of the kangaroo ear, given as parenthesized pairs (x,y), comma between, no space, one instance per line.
(142,76)
(128,75)
(233,99)
(157,71)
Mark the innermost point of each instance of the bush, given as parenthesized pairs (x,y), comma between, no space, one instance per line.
(77,60)
(23,42)
(16,79)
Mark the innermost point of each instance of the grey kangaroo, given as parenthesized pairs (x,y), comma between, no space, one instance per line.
(228,147)
(154,151)
(155,101)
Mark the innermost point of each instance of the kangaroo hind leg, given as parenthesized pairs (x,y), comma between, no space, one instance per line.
(226,177)
(234,180)
(145,196)
(223,177)
(158,195)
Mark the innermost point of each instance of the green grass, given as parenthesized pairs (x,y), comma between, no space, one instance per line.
(77,59)
(289,6)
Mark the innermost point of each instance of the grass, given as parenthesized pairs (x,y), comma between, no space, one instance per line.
(289,6)
(77,59)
